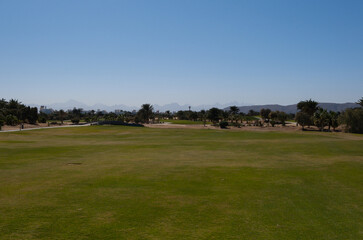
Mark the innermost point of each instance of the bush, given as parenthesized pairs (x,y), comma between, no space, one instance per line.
(75,120)
(353,120)
(282,117)
(223,124)
(120,118)
(303,119)
(11,120)
(42,119)
(138,119)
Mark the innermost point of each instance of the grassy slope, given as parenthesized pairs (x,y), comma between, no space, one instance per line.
(141,183)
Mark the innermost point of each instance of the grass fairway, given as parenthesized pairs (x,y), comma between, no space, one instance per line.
(105,182)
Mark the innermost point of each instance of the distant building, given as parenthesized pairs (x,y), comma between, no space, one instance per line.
(102,111)
(45,110)
(118,111)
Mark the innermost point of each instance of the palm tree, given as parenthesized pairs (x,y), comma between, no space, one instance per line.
(321,118)
(265,113)
(3,103)
(146,112)
(360,102)
(308,106)
(203,117)
(61,115)
(233,110)
(333,120)
(214,114)
(302,119)
(167,114)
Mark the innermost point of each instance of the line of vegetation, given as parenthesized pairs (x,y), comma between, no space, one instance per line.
(309,114)
(185,122)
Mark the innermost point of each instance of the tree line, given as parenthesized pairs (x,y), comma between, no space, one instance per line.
(309,114)
(12,112)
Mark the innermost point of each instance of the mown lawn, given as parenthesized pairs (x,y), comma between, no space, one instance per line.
(103,182)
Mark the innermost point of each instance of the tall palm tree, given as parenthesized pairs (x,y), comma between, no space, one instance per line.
(203,116)
(360,102)
(167,114)
(333,120)
(233,110)
(308,106)
(321,118)
(3,103)
(62,115)
(146,112)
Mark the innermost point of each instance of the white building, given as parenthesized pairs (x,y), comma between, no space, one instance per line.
(45,110)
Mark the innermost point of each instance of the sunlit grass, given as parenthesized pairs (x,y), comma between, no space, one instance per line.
(110,182)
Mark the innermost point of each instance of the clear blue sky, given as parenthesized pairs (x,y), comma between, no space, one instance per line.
(187,51)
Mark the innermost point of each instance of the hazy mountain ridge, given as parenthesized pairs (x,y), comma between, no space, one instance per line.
(76,104)
(337,107)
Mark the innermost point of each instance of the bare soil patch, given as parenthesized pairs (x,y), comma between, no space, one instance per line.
(28,126)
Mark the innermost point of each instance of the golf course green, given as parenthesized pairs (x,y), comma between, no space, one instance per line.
(115,182)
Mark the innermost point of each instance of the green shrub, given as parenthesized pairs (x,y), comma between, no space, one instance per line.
(42,119)
(11,120)
(303,119)
(353,120)
(75,120)
(223,124)
(121,118)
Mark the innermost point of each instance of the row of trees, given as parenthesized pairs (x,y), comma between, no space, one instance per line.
(77,114)
(311,114)
(274,117)
(12,112)
(214,115)
(352,118)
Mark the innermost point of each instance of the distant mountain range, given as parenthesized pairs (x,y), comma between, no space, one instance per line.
(337,107)
(176,107)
